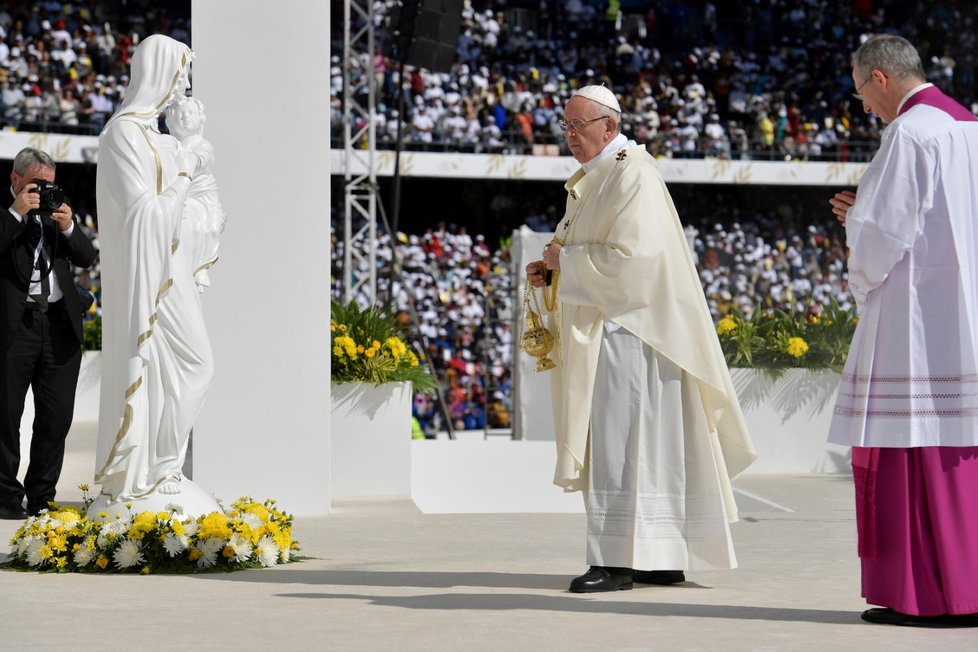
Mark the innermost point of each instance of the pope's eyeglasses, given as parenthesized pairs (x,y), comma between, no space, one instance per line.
(577,125)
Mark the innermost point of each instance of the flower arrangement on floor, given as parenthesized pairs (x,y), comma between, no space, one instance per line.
(774,340)
(63,539)
(368,346)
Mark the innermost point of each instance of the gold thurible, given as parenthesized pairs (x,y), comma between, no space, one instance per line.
(535,338)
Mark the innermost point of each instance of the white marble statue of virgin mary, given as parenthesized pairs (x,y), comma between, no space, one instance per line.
(156,355)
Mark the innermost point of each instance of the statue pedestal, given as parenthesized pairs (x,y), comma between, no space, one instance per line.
(192,499)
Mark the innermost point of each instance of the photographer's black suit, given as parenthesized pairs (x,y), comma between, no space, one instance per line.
(38,349)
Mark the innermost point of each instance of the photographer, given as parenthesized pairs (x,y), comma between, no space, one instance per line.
(40,329)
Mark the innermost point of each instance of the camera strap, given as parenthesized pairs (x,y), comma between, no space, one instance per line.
(42,265)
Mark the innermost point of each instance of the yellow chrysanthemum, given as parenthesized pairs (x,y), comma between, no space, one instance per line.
(370,352)
(346,343)
(145,571)
(177,528)
(143,523)
(66,516)
(214,526)
(62,562)
(46,552)
(195,554)
(257,509)
(797,347)
(396,346)
(726,325)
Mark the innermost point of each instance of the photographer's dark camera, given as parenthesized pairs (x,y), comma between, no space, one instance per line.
(51,197)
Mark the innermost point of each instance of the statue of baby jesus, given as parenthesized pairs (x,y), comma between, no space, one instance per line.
(204,218)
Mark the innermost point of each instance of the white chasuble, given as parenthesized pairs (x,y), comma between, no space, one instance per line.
(625,264)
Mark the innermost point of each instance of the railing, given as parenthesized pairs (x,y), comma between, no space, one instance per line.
(52,127)
(851,151)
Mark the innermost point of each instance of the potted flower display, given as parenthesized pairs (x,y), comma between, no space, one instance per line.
(374,375)
(786,369)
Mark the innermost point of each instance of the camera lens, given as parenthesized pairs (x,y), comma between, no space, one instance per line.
(52,198)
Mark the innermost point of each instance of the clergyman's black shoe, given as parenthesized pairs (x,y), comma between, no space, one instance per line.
(884,616)
(602,578)
(663,577)
(12,513)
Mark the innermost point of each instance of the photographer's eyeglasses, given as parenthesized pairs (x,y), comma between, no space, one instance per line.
(577,125)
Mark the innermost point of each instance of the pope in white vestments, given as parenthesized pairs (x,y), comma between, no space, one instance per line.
(648,424)
(908,399)
(156,356)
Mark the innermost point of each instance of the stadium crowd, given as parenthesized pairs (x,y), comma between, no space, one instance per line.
(458,292)
(733,79)
(63,66)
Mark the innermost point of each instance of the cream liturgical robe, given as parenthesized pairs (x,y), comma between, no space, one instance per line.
(156,357)
(911,378)
(625,260)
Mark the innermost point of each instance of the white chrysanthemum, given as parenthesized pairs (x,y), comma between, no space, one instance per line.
(241,547)
(34,546)
(190,527)
(120,526)
(174,544)
(207,559)
(251,520)
(209,546)
(286,555)
(84,556)
(128,554)
(23,544)
(176,509)
(267,551)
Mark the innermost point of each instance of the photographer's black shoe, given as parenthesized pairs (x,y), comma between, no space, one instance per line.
(12,513)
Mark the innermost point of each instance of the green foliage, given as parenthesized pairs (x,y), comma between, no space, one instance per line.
(92,334)
(367,346)
(777,340)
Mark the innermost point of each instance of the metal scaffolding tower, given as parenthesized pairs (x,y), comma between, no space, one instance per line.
(359,144)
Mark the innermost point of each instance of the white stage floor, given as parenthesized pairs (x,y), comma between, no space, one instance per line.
(384,576)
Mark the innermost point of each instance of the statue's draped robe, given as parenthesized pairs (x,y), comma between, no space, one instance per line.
(156,357)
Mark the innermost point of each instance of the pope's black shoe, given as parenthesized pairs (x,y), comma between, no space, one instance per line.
(883,616)
(663,577)
(602,578)
(12,513)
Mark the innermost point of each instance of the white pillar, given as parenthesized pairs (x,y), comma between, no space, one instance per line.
(262,72)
